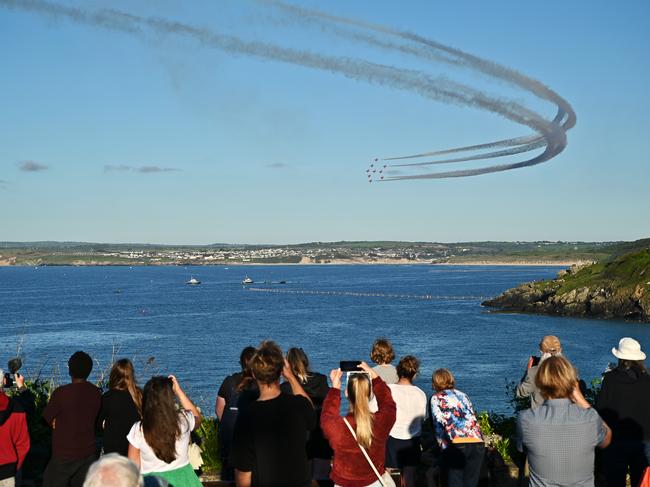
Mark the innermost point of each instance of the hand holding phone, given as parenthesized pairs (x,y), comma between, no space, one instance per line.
(350,365)
(533,361)
(335,377)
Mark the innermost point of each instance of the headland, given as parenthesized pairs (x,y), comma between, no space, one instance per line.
(615,287)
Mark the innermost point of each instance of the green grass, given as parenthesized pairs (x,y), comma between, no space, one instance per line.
(624,272)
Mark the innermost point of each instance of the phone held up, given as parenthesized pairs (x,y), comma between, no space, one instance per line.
(350,365)
(535,360)
(14,366)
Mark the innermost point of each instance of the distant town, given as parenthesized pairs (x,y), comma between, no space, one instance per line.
(384,252)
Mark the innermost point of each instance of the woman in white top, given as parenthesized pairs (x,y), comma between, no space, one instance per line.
(403,445)
(159,443)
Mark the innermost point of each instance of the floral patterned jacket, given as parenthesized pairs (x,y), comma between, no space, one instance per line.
(454,418)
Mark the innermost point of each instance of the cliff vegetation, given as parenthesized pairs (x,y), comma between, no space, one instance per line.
(617,287)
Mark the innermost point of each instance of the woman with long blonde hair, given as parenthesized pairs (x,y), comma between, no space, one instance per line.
(350,467)
(121,407)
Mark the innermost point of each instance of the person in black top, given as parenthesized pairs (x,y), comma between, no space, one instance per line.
(315,385)
(72,414)
(269,441)
(229,399)
(121,407)
(624,404)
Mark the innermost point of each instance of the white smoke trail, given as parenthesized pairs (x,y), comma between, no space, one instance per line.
(489,155)
(552,134)
(441,53)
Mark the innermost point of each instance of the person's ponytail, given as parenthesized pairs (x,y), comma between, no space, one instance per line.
(359,396)
(299,363)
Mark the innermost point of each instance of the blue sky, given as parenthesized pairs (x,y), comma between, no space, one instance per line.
(115,137)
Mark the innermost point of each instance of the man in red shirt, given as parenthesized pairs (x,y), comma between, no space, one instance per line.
(14,438)
(72,412)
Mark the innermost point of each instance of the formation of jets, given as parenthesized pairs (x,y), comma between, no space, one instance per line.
(373,170)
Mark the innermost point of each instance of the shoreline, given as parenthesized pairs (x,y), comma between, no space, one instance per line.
(512,263)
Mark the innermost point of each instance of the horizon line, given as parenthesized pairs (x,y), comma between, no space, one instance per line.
(80,242)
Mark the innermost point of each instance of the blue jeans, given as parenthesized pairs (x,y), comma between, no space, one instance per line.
(462,462)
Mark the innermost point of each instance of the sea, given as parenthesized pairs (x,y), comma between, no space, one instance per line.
(333,312)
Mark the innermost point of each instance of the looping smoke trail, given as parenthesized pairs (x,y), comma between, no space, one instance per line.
(430,50)
(550,134)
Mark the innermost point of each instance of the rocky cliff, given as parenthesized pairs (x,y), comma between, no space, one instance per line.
(618,288)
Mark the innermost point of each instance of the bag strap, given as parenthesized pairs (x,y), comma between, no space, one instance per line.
(365,453)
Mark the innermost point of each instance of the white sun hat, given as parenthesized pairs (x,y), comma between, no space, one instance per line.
(628,349)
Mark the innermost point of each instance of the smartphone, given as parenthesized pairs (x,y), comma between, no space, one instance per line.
(535,360)
(349,365)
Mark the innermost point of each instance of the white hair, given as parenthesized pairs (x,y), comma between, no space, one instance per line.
(113,470)
(546,355)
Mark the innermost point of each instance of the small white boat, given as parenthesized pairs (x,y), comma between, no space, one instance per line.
(247,280)
(193,282)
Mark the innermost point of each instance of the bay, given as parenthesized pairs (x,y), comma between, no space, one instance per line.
(334,312)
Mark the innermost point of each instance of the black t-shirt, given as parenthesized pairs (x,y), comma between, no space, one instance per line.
(74,407)
(235,401)
(228,388)
(118,413)
(270,440)
(316,388)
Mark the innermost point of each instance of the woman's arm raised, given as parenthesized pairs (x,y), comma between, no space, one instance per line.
(185,402)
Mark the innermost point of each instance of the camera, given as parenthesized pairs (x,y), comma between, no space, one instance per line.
(14,366)
(349,365)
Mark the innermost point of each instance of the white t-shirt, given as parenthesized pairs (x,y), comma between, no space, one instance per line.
(411,404)
(149,462)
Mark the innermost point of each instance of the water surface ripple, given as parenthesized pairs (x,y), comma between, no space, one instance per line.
(197,332)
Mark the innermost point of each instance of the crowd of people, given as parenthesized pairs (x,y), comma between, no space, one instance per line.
(282,424)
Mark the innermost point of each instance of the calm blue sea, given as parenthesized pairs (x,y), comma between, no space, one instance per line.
(197,332)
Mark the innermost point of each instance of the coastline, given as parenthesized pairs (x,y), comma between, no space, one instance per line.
(559,263)
(477,263)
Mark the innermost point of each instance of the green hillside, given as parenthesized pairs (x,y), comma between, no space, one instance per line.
(616,287)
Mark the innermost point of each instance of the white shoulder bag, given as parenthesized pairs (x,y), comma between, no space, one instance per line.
(386,480)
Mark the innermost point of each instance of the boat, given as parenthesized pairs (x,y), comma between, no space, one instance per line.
(193,282)
(247,280)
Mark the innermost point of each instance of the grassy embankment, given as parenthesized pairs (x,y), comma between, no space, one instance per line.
(621,274)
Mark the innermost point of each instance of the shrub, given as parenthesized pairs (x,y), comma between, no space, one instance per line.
(40,433)
(208,434)
(498,432)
